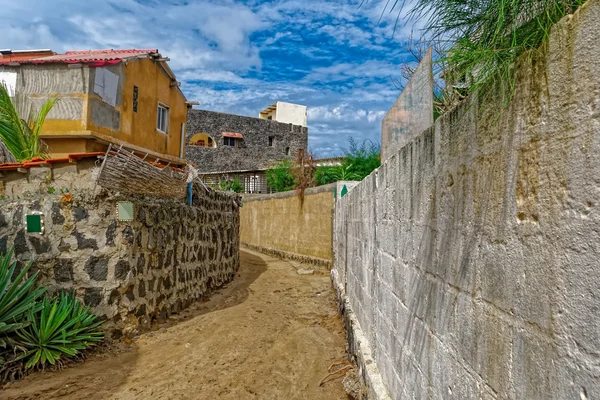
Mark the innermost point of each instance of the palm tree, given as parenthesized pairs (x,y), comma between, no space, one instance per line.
(18,137)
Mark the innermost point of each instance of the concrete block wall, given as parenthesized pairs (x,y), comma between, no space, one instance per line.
(131,273)
(470,259)
(282,225)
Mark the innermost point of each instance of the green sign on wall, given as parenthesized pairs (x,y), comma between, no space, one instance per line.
(125,211)
(344,191)
(35,223)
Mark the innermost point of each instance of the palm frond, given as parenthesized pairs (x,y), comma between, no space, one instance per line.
(22,138)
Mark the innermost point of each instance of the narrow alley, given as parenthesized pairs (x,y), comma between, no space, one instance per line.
(270,334)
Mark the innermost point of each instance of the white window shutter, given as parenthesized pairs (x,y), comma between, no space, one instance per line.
(111,82)
(105,86)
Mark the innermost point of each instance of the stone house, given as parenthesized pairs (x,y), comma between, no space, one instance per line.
(124,97)
(227,146)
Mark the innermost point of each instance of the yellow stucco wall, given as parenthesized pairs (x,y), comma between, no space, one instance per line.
(139,128)
(281,224)
(62,147)
(136,128)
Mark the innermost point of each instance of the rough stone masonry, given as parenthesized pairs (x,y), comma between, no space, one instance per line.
(470,259)
(254,152)
(130,272)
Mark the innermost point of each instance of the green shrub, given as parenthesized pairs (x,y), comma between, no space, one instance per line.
(62,326)
(330,174)
(326,174)
(233,185)
(360,160)
(281,177)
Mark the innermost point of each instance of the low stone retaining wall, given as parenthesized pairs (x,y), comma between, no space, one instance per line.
(318,262)
(131,273)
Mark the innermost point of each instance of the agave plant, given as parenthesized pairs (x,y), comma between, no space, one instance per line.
(63,326)
(22,138)
(18,296)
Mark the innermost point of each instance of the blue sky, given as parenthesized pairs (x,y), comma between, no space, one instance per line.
(241,56)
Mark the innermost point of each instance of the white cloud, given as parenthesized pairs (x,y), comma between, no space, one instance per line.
(215,51)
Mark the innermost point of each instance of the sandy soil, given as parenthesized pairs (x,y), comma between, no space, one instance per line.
(270,334)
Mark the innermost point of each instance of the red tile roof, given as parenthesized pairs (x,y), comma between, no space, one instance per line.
(101,57)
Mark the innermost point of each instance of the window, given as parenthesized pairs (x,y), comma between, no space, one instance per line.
(271,138)
(162,121)
(135,98)
(270,117)
(287,151)
(105,85)
(228,141)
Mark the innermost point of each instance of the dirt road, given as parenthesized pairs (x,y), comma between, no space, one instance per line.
(270,334)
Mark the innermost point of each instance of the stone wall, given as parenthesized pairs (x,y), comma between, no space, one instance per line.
(43,180)
(469,262)
(253,152)
(279,224)
(131,273)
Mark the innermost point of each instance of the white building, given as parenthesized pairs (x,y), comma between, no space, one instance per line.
(285,112)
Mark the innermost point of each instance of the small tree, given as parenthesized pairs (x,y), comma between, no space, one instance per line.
(19,137)
(304,173)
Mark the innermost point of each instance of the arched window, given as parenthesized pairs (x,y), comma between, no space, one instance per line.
(203,140)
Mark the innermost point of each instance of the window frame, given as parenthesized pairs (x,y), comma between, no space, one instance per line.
(227,140)
(158,118)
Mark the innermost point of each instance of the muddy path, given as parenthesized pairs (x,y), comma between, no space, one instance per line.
(270,334)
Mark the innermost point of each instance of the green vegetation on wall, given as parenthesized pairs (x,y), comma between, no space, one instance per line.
(477,42)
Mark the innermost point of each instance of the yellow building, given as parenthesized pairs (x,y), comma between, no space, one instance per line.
(124,97)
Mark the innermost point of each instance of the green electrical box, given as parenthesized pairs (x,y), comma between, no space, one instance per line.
(35,223)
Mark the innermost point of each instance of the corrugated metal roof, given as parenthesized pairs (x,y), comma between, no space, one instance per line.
(81,56)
